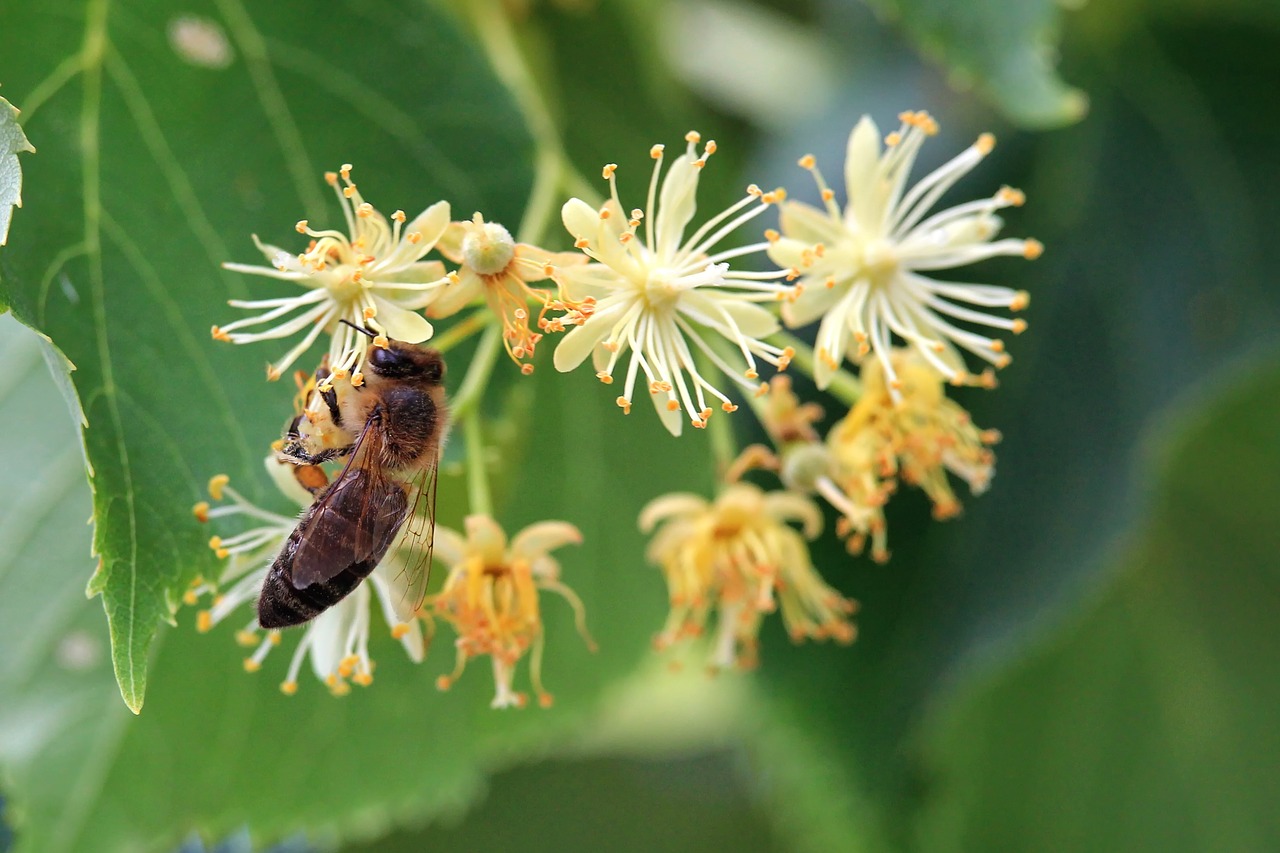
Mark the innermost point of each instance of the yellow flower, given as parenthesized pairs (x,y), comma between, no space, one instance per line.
(919,439)
(667,299)
(495,266)
(337,641)
(861,267)
(491,598)
(373,276)
(739,557)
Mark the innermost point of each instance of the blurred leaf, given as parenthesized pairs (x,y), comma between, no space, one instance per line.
(1007,49)
(142,190)
(12,142)
(60,713)
(1149,723)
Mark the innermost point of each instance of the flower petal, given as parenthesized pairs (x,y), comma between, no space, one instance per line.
(450,242)
(486,538)
(814,301)
(672,419)
(454,297)
(575,346)
(789,506)
(283,474)
(537,539)
(449,546)
(751,320)
(808,225)
(402,324)
(861,168)
(661,508)
(676,205)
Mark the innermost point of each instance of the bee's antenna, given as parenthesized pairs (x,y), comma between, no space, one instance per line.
(357,328)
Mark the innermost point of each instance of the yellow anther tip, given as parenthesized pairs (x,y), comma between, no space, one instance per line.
(399,631)
(288,688)
(204,621)
(1032,249)
(985,143)
(251,665)
(201,511)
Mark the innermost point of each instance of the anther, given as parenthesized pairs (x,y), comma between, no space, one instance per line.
(398,216)
(288,688)
(1020,300)
(772,235)
(986,142)
(693,136)
(728,407)
(526,369)
(216,485)
(1012,197)
(1032,249)
(219,335)
(201,511)
(808,161)
(204,621)
(672,406)
(348,192)
(608,170)
(1019,326)
(656,151)
(251,665)
(300,226)
(624,404)
(581,243)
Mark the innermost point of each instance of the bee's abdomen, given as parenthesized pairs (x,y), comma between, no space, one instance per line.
(281,605)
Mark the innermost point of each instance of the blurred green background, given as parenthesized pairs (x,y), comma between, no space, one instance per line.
(1087,659)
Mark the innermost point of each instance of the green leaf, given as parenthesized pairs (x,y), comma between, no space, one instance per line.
(1006,49)
(167,138)
(12,141)
(60,717)
(1149,722)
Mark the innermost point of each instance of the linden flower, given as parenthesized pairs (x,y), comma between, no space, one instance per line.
(919,439)
(336,641)
(739,557)
(495,266)
(862,268)
(373,277)
(491,598)
(661,296)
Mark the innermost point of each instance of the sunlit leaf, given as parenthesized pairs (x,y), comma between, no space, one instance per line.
(1006,49)
(12,142)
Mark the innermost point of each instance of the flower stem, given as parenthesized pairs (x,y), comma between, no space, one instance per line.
(473,384)
(478,498)
(459,332)
(844,386)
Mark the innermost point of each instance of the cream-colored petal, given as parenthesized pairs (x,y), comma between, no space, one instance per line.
(283,474)
(537,539)
(401,324)
(834,332)
(661,508)
(788,253)
(672,419)
(454,297)
(670,539)
(449,547)
(789,506)
(430,224)
(486,538)
(580,219)
(418,272)
(751,319)
(677,203)
(861,169)
(809,225)
(814,301)
(450,242)
(575,346)
(532,262)
(414,644)
(328,635)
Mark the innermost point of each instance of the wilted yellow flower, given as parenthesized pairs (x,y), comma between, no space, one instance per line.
(336,641)
(739,557)
(373,276)
(917,439)
(491,598)
(861,267)
(666,298)
(495,266)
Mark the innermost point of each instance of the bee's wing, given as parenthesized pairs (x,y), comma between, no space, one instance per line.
(354,521)
(419,539)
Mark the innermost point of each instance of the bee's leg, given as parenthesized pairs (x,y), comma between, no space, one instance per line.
(330,398)
(294,452)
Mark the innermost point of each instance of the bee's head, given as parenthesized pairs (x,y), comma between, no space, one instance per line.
(399,360)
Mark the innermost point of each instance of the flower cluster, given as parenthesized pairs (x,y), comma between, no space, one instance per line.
(686,311)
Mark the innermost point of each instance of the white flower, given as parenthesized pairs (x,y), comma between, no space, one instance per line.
(861,268)
(372,277)
(661,297)
(336,641)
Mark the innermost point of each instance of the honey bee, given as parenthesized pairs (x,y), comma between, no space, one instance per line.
(394,424)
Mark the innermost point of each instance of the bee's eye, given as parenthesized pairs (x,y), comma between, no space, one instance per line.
(388,360)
